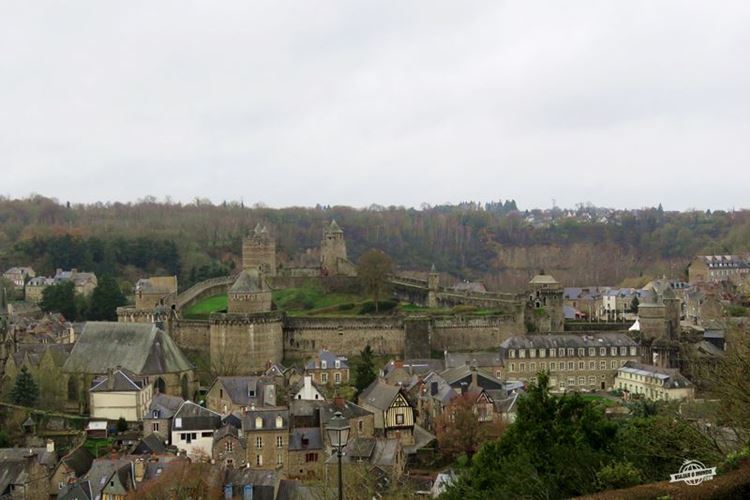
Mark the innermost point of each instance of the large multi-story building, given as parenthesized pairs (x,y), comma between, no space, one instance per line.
(574,362)
(713,268)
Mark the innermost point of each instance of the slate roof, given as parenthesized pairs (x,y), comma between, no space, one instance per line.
(377,451)
(124,381)
(305,407)
(101,470)
(379,395)
(402,372)
(195,417)
(443,392)
(76,491)
(485,380)
(165,405)
(244,390)
(268,419)
(671,378)
(329,358)
(12,472)
(543,279)
(150,444)
(275,370)
(79,461)
(44,457)
(263,481)
(229,430)
(347,409)
(568,340)
(249,281)
(480,359)
(142,348)
(313,436)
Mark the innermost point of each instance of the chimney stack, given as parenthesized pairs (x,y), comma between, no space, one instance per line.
(110,379)
(338,401)
(50,446)
(399,363)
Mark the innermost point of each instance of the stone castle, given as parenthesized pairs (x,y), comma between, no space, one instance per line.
(252,333)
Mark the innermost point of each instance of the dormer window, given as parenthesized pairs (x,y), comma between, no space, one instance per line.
(279,422)
(258,423)
(323,364)
(338,364)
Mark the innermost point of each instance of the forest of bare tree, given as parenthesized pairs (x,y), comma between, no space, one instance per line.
(494,242)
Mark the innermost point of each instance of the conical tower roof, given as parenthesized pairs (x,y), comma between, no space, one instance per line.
(249,280)
(334,228)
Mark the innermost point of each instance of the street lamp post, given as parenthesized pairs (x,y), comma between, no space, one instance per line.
(338,435)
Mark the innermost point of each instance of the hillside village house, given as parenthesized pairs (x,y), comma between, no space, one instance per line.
(653,382)
(230,394)
(121,394)
(84,283)
(35,288)
(306,453)
(19,275)
(394,414)
(327,368)
(229,447)
(714,268)
(266,433)
(575,362)
(307,390)
(158,418)
(193,430)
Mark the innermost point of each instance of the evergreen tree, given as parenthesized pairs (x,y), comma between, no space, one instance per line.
(60,298)
(364,372)
(25,392)
(105,300)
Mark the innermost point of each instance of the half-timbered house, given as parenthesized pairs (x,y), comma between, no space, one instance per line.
(394,414)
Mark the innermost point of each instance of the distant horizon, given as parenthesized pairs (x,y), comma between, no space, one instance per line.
(261,204)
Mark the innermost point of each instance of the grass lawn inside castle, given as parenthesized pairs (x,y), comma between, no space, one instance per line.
(312,300)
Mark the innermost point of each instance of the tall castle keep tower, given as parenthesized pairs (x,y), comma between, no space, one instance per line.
(259,251)
(333,259)
(545,312)
(659,319)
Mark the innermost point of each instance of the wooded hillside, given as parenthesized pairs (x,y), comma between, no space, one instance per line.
(493,242)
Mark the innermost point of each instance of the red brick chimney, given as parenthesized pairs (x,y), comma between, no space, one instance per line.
(339,401)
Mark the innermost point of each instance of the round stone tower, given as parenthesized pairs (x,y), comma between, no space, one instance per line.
(249,294)
(249,335)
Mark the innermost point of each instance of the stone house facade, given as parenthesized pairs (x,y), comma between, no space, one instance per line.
(266,434)
(229,447)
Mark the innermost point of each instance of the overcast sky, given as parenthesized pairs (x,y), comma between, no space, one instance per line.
(622,103)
